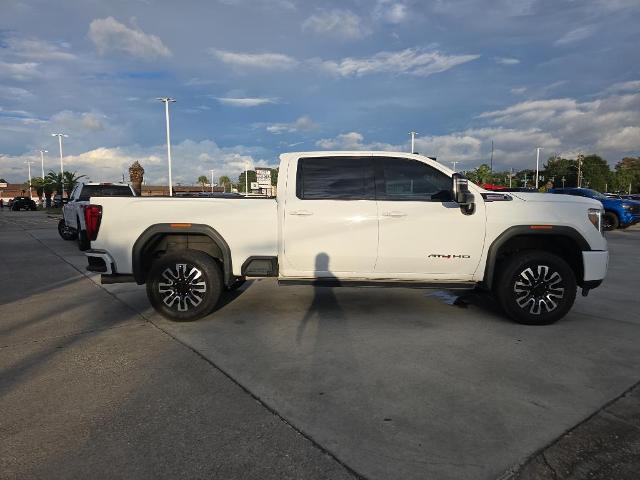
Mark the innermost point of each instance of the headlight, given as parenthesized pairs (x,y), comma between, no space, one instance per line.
(626,206)
(595,217)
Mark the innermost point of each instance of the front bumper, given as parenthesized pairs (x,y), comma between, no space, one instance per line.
(595,265)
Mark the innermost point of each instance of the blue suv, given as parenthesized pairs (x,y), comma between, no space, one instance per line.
(618,213)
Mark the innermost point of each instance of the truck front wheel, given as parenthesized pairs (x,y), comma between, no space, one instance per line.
(536,287)
(610,221)
(185,285)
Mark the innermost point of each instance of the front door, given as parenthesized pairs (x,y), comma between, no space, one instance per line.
(423,233)
(331,220)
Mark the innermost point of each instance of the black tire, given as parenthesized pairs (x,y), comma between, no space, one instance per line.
(610,221)
(185,285)
(67,233)
(83,240)
(536,287)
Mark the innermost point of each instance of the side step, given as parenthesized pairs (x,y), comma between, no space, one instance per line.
(260,267)
(336,282)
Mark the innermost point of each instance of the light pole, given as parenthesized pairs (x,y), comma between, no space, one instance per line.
(29,162)
(60,135)
(211,180)
(537,165)
(42,152)
(246,179)
(167,101)
(413,141)
(454,165)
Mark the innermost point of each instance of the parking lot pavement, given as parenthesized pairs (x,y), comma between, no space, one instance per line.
(89,389)
(400,383)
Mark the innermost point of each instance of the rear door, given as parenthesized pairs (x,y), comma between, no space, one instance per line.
(330,218)
(423,233)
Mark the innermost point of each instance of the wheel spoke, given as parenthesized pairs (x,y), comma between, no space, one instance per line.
(182,287)
(538,289)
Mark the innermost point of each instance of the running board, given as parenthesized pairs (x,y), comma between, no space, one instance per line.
(336,282)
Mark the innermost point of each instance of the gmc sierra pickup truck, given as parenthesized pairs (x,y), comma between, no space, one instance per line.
(71,226)
(355,219)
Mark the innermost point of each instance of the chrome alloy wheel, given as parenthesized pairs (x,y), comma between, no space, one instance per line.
(182,287)
(538,289)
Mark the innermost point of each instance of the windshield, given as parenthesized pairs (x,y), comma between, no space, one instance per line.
(105,191)
(594,194)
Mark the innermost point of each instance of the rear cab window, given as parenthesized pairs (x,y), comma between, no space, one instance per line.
(335,178)
(89,191)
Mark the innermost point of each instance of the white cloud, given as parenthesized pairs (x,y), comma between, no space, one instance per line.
(266,61)
(626,139)
(518,90)
(631,86)
(576,35)
(412,61)
(342,24)
(245,102)
(19,71)
(35,49)
(353,141)
(74,121)
(506,60)
(391,12)
(109,35)
(14,93)
(302,124)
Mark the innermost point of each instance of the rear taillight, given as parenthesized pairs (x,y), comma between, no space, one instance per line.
(92,217)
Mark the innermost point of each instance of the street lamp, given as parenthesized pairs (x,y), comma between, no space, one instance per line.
(42,152)
(29,162)
(211,180)
(167,101)
(537,165)
(60,135)
(413,141)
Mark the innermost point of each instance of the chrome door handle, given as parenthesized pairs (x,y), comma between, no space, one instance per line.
(394,214)
(302,213)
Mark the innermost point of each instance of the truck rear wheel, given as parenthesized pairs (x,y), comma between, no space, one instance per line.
(66,232)
(185,285)
(536,288)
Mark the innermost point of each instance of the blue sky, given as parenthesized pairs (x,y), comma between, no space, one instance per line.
(256,78)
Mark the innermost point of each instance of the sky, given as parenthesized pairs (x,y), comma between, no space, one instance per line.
(253,79)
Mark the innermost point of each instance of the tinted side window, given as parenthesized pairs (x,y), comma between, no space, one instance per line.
(404,179)
(335,178)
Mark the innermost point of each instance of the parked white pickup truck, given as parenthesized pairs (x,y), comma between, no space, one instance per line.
(72,224)
(355,219)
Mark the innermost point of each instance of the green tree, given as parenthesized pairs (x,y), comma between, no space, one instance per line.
(225,182)
(202,180)
(251,177)
(70,179)
(595,172)
(627,172)
(274,176)
(480,175)
(558,168)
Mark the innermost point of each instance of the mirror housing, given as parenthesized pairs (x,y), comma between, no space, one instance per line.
(461,194)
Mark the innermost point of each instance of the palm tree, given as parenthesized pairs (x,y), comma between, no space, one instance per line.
(224,181)
(71,179)
(202,180)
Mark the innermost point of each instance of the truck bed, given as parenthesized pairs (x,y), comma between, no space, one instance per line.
(249,225)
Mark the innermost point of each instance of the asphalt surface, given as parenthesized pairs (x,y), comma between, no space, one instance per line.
(303,382)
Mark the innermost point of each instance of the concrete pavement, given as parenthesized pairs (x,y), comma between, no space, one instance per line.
(402,384)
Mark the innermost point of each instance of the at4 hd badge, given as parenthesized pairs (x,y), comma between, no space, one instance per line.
(450,256)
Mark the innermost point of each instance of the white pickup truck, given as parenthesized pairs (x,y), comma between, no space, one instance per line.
(355,219)
(72,224)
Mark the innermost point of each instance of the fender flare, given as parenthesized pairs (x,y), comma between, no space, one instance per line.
(518,230)
(196,228)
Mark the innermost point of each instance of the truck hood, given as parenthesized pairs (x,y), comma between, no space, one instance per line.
(556,198)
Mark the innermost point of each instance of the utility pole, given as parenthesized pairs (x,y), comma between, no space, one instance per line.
(167,101)
(413,142)
(246,179)
(60,135)
(29,162)
(563,180)
(491,163)
(524,182)
(580,157)
(454,165)
(42,152)
(537,165)
(510,177)
(211,180)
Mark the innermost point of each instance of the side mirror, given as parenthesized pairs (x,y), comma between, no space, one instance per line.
(461,194)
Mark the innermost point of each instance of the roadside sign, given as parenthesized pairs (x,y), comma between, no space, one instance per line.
(3,185)
(255,185)
(263,177)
